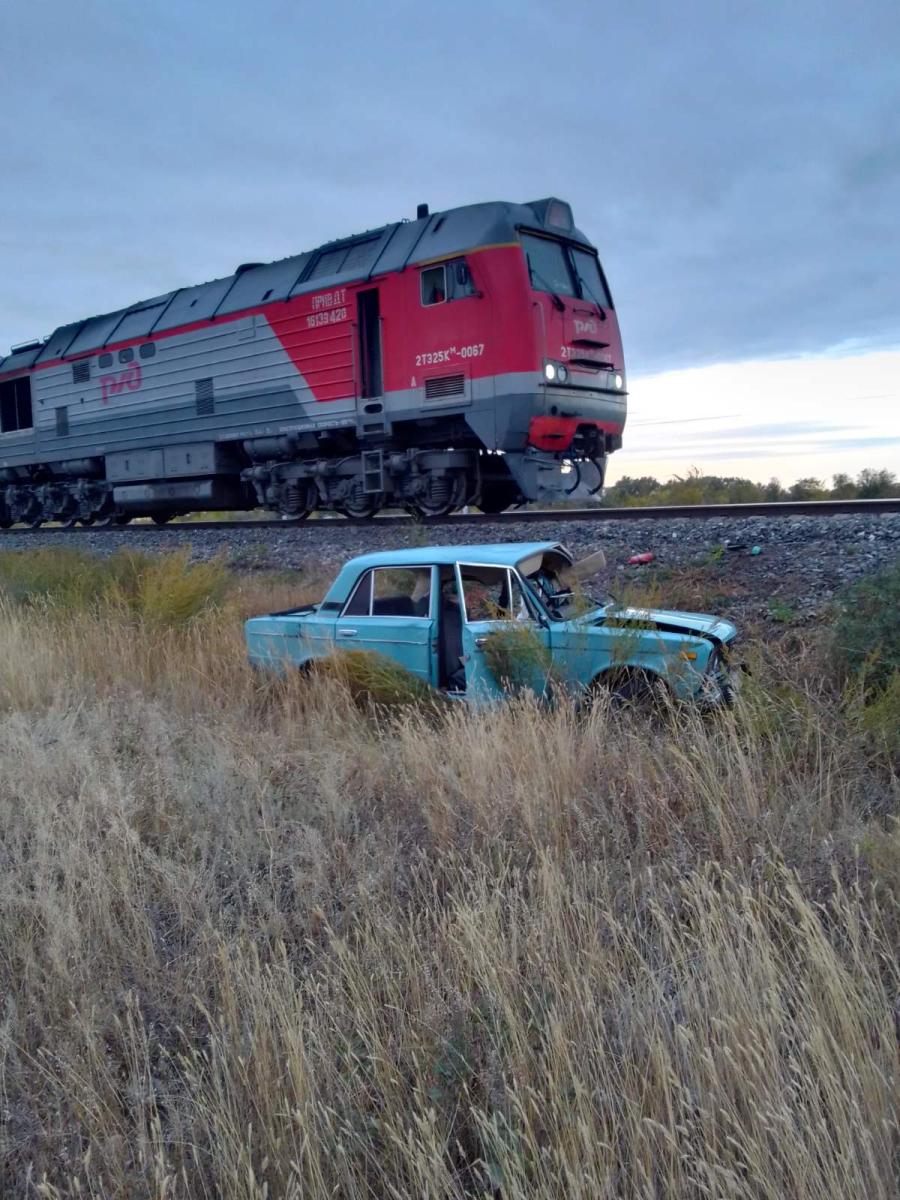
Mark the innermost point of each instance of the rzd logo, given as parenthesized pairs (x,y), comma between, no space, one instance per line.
(112,385)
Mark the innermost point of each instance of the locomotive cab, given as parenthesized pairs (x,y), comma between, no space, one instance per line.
(580,409)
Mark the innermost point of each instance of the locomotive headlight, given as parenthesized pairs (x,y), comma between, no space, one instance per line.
(562,373)
(618,381)
(550,372)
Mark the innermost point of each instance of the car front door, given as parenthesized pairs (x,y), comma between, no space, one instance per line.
(505,648)
(390,612)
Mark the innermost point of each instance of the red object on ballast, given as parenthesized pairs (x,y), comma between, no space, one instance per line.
(638,559)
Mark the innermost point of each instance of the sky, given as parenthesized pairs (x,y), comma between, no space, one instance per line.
(737,165)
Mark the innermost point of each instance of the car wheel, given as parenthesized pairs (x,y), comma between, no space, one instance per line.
(630,689)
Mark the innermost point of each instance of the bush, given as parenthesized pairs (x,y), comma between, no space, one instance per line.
(881,717)
(867,631)
(164,589)
(68,578)
(375,680)
(516,657)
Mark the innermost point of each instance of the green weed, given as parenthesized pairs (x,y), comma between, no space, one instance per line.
(164,589)
(375,681)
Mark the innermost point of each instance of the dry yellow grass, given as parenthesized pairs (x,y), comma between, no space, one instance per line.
(256,943)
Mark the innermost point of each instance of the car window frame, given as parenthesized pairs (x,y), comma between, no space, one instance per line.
(512,573)
(429,616)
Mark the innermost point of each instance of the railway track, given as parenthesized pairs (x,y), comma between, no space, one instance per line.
(802,508)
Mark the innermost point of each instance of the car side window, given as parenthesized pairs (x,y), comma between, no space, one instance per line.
(402,592)
(360,603)
(493,594)
(392,592)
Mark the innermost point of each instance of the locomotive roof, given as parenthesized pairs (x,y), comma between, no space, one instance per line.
(378,251)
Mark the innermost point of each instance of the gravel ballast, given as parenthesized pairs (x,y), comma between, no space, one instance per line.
(802,561)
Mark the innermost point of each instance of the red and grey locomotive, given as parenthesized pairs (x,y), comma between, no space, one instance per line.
(469,356)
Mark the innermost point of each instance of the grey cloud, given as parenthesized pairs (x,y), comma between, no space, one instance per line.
(737,169)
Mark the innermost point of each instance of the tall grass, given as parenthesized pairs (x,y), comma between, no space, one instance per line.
(165,589)
(255,941)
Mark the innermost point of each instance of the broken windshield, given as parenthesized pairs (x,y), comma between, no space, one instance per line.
(563,599)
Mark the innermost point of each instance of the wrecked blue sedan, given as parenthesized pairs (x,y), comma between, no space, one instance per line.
(480,621)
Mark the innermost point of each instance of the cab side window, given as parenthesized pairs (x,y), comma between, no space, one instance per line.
(449,281)
(434,285)
(459,279)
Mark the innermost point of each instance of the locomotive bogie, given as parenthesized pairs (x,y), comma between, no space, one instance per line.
(407,366)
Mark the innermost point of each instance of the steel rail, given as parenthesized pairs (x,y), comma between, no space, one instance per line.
(791,508)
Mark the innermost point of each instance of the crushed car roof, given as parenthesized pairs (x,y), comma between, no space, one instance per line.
(501,554)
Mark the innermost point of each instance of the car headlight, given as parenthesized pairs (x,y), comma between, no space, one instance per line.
(550,371)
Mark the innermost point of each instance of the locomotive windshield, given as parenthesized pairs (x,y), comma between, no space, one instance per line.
(564,270)
(548,266)
(590,281)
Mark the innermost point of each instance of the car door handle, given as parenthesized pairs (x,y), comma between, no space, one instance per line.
(344,633)
(480,643)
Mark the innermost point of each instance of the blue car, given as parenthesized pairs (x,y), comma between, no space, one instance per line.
(480,621)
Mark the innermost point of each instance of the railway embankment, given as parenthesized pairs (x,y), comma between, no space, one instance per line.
(786,568)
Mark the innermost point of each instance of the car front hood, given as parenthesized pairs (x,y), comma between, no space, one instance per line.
(670,621)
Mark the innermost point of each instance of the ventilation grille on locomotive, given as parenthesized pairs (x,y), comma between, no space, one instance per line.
(206,404)
(81,372)
(445,385)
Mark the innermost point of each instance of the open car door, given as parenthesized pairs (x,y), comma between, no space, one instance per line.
(505,647)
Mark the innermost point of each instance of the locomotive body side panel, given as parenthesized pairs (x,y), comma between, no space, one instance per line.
(218,381)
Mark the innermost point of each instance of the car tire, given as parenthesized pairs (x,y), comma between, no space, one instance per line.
(630,689)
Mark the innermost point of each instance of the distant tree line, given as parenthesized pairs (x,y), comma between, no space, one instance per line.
(696,488)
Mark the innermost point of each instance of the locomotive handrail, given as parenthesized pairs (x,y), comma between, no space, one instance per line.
(165,309)
(378,256)
(422,232)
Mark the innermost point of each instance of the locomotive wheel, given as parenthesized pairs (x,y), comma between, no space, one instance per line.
(298,499)
(360,504)
(162,518)
(440,495)
(68,522)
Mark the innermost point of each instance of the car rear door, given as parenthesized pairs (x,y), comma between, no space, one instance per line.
(391,612)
